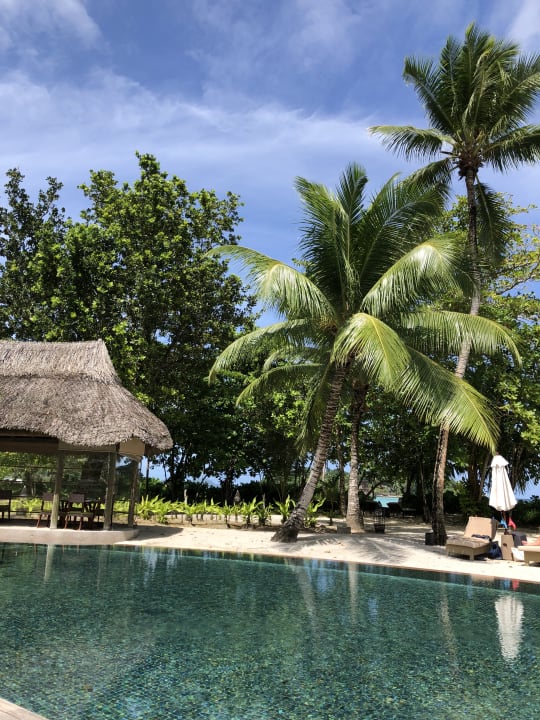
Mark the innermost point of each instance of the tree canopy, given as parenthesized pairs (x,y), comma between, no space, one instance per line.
(133,271)
(477,98)
(359,309)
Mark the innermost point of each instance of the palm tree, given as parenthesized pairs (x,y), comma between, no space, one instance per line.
(357,309)
(477,99)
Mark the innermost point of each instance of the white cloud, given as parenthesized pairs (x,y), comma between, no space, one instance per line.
(268,46)
(325,31)
(20,19)
(525,26)
(65,131)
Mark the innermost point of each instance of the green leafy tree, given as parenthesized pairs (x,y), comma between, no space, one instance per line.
(515,393)
(477,99)
(32,246)
(358,310)
(134,272)
(508,300)
(276,418)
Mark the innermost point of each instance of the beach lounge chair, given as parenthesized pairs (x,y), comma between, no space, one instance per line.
(531,553)
(5,503)
(476,540)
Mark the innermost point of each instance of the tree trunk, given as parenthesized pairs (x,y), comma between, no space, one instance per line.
(341,480)
(353,518)
(288,532)
(437,521)
(227,484)
(421,485)
(437,508)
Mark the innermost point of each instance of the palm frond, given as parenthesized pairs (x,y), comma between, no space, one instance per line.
(350,191)
(277,379)
(429,269)
(259,343)
(440,398)
(443,331)
(516,92)
(521,145)
(493,223)
(411,142)
(430,85)
(328,232)
(399,217)
(436,173)
(372,344)
(278,285)
(314,406)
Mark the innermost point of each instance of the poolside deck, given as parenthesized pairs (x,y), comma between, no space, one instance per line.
(25,531)
(9,711)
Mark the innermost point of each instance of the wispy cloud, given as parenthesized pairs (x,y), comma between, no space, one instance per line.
(525,27)
(318,30)
(21,19)
(65,131)
(275,48)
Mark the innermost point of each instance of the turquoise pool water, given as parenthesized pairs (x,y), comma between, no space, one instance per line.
(121,634)
(385,499)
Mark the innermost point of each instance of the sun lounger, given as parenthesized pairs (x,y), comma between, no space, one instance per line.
(476,540)
(531,553)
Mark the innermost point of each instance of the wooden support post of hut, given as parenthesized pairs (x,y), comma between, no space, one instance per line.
(133,494)
(109,496)
(64,399)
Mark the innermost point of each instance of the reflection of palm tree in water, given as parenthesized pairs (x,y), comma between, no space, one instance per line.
(306,590)
(448,632)
(352,573)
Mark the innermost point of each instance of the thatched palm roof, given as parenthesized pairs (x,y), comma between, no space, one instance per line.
(71,392)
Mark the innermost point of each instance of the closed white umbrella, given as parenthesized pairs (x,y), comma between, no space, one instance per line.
(509,609)
(501,496)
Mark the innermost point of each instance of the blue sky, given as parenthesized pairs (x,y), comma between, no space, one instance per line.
(239,95)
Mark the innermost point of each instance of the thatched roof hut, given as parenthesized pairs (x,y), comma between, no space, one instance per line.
(69,394)
(64,398)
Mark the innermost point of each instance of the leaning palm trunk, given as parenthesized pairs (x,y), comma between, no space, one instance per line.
(288,532)
(353,505)
(437,523)
(341,483)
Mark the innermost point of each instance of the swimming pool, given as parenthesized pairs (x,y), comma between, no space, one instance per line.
(139,633)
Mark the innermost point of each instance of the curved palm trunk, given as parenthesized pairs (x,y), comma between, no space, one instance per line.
(341,485)
(358,406)
(437,522)
(288,532)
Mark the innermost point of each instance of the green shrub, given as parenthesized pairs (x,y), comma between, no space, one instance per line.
(311,515)
(156,507)
(263,513)
(285,507)
(527,512)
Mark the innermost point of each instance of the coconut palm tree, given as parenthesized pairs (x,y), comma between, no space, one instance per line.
(477,100)
(357,309)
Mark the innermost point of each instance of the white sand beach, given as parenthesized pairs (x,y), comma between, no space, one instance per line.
(401,545)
